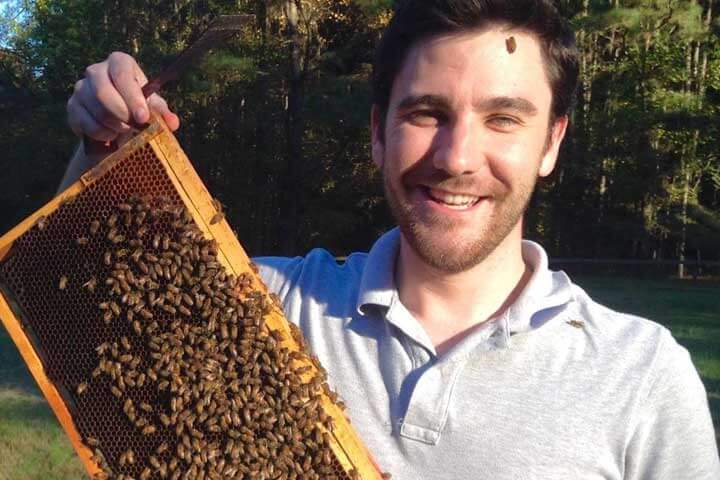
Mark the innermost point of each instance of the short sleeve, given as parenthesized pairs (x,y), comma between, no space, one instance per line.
(279,273)
(673,436)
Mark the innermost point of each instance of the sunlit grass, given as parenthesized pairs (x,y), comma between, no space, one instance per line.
(32,443)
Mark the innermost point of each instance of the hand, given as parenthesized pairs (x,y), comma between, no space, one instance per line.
(110,95)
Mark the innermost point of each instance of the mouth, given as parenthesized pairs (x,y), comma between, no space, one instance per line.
(453,201)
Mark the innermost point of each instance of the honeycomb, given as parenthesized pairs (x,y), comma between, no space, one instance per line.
(41,277)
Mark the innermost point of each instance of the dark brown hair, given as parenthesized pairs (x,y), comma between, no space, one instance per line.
(416,20)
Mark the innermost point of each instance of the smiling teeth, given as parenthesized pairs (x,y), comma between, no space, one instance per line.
(453,199)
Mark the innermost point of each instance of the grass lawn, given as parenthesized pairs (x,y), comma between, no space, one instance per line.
(33,446)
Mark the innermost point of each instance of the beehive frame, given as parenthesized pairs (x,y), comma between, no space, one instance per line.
(174,164)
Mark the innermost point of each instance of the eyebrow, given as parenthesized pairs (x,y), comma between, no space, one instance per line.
(433,101)
(517,104)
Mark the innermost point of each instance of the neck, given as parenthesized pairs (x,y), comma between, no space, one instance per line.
(449,305)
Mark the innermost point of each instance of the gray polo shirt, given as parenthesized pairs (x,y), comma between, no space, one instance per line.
(557,387)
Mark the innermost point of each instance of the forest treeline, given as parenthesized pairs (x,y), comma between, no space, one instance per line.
(276,121)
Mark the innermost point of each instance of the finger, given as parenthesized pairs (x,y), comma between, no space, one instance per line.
(77,117)
(83,123)
(159,105)
(128,78)
(74,113)
(101,99)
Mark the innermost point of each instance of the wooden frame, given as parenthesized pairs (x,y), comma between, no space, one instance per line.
(347,446)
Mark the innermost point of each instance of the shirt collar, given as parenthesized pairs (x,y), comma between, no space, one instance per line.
(545,292)
(377,285)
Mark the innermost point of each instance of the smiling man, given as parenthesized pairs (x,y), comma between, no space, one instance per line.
(459,353)
(466,132)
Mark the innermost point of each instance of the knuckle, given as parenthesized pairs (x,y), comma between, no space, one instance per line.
(156,101)
(118,56)
(92,70)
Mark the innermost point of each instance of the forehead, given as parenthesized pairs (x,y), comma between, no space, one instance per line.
(476,65)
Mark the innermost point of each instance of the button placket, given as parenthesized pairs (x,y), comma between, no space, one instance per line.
(429,405)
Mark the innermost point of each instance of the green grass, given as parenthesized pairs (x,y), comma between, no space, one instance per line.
(33,446)
(32,443)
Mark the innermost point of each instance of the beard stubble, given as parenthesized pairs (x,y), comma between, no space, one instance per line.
(421,230)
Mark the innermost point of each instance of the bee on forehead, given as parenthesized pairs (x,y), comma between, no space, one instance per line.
(510,44)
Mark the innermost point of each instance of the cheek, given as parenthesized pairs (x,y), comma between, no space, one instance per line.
(515,160)
(407,145)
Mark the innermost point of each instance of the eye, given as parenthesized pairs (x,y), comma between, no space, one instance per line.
(426,118)
(503,122)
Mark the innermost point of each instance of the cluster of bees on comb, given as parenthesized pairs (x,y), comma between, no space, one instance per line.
(191,362)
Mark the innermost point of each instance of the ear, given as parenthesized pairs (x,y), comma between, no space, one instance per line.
(377,137)
(551,153)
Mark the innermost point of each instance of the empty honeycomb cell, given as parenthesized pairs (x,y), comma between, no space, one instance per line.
(282,434)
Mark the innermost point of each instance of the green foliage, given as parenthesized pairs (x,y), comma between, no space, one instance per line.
(643,143)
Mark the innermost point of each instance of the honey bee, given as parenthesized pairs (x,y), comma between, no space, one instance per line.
(510,44)
(90,284)
(41,223)
(81,388)
(217,218)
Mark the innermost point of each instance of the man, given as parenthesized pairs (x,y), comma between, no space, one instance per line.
(459,354)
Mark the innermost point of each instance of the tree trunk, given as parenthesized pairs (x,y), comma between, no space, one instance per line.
(683,234)
(294,126)
(688,67)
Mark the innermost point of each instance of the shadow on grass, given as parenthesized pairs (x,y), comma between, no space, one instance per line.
(14,374)
(21,408)
(712,386)
(706,348)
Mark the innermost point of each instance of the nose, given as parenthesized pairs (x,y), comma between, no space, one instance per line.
(458,149)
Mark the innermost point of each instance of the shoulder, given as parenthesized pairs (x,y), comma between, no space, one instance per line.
(619,327)
(317,271)
(666,401)
(642,346)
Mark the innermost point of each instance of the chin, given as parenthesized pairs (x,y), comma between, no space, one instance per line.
(447,252)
